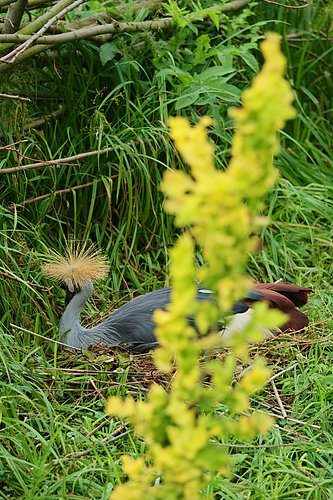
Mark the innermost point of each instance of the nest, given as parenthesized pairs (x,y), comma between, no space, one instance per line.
(101,371)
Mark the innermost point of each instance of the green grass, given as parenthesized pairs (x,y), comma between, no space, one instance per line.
(51,445)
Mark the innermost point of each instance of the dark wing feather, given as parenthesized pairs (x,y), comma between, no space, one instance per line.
(287,298)
(297,321)
(134,323)
(297,294)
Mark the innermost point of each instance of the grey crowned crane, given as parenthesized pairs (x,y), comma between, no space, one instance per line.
(132,323)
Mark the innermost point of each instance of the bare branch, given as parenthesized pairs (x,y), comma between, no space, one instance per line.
(4,3)
(44,22)
(83,33)
(11,146)
(36,25)
(14,16)
(11,56)
(113,28)
(287,6)
(232,6)
(48,195)
(59,161)
(279,400)
(9,96)
(31,52)
(38,121)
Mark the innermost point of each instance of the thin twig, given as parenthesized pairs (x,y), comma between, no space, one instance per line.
(262,446)
(295,420)
(278,399)
(44,338)
(59,161)
(56,193)
(104,441)
(34,285)
(95,372)
(9,96)
(282,372)
(96,388)
(287,6)
(11,56)
(9,146)
(99,426)
(38,121)
(41,121)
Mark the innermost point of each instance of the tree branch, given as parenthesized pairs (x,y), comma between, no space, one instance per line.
(83,33)
(10,96)
(110,29)
(4,3)
(59,161)
(48,195)
(14,16)
(44,22)
(232,6)
(41,20)
(11,56)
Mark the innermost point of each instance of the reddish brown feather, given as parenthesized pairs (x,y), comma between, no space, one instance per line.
(286,298)
(297,294)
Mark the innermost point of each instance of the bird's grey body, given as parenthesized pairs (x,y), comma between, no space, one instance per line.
(133,324)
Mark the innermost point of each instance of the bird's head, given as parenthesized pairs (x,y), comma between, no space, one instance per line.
(78,269)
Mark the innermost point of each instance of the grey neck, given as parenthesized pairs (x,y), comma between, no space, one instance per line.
(70,320)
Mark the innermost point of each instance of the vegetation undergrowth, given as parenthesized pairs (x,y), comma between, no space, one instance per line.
(55,439)
(184,425)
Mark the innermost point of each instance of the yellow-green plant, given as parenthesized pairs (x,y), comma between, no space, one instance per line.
(220,213)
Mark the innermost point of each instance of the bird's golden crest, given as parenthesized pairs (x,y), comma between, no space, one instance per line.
(77,267)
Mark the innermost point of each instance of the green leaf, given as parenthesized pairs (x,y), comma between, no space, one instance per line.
(107,52)
(214,16)
(187,99)
(183,76)
(223,92)
(213,73)
(225,56)
(250,60)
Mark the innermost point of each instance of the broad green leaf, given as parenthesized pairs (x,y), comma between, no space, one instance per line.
(107,52)
(187,99)
(250,60)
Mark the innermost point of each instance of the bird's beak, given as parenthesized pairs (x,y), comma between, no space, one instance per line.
(69,296)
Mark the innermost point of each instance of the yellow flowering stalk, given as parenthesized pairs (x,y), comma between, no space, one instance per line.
(220,210)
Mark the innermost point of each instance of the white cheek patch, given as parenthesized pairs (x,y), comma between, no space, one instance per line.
(204,290)
(239,322)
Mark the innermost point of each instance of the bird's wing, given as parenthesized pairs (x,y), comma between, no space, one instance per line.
(297,294)
(287,298)
(134,320)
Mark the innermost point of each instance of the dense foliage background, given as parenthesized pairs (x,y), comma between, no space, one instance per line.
(88,96)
